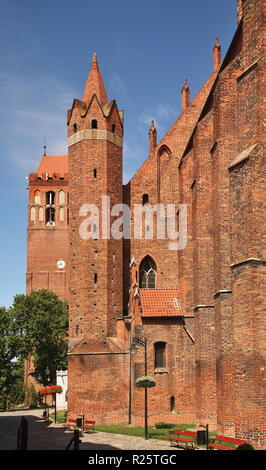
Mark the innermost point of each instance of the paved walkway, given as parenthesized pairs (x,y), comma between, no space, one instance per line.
(50,436)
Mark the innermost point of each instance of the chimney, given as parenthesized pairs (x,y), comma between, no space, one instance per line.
(185,96)
(216,55)
(152,138)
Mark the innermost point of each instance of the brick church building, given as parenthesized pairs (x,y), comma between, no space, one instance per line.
(198,304)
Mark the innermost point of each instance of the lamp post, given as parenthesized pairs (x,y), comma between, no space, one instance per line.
(55,397)
(133,351)
(47,373)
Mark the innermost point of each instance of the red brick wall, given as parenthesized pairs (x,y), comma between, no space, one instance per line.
(176,380)
(98,387)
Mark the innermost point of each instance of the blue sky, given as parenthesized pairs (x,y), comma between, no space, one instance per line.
(145,49)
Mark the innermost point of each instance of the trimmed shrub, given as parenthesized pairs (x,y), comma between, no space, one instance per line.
(245,447)
(145,381)
(165,425)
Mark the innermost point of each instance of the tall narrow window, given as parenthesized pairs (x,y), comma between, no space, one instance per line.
(172,404)
(145,199)
(159,355)
(61,197)
(95,279)
(32,214)
(95,173)
(61,214)
(50,216)
(50,196)
(37,197)
(41,214)
(113,127)
(147,273)
(94,124)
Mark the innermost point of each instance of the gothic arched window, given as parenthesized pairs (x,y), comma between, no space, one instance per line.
(50,216)
(61,197)
(37,197)
(50,196)
(147,273)
(41,213)
(32,214)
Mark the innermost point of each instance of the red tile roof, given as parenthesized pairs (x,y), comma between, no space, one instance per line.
(53,164)
(160,303)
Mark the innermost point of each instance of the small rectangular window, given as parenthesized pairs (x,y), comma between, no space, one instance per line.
(95,173)
(145,199)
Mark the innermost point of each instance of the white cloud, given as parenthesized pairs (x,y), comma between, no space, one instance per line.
(119,89)
(31,112)
(161,114)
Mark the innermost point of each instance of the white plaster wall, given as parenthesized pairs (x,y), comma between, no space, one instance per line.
(61,398)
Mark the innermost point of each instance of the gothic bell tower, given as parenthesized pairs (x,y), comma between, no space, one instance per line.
(95,139)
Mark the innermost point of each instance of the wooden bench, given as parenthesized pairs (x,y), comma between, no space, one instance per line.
(186,437)
(88,425)
(71,423)
(224,439)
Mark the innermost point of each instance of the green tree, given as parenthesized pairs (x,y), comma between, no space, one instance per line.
(39,324)
(7,357)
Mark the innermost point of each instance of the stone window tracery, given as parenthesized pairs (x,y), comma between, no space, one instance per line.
(147,273)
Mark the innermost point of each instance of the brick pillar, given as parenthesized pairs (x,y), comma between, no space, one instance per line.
(248,178)
(223,150)
(216,55)
(224,363)
(203,275)
(247,187)
(205,366)
(239,10)
(185,96)
(152,138)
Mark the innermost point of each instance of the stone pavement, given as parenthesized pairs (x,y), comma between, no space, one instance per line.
(50,436)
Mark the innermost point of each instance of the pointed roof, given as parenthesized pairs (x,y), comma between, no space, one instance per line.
(217,44)
(53,164)
(95,84)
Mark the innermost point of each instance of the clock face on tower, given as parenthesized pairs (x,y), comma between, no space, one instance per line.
(61,264)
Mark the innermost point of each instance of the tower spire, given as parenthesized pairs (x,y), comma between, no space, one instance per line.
(95,84)
(152,137)
(239,10)
(185,95)
(216,55)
